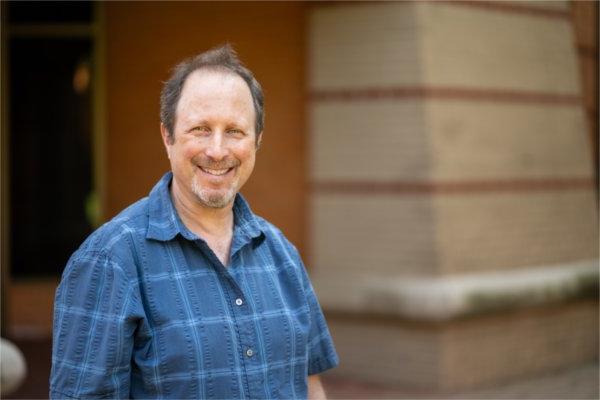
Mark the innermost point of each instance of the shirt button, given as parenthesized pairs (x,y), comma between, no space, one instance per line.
(249,352)
(239,302)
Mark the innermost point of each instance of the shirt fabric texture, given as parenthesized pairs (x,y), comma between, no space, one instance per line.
(146,310)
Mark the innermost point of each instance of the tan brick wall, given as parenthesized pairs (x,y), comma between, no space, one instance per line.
(483,351)
(474,47)
(379,141)
(385,351)
(510,230)
(543,4)
(363,45)
(446,140)
(421,138)
(468,353)
(487,141)
(373,235)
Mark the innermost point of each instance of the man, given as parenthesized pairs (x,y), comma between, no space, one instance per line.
(187,293)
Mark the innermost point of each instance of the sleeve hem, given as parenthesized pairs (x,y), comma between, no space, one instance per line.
(323,364)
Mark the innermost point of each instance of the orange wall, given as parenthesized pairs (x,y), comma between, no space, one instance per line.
(585,24)
(145,39)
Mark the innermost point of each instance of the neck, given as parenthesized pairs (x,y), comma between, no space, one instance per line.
(203,221)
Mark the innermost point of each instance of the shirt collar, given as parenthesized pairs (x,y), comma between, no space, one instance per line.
(164,222)
(246,227)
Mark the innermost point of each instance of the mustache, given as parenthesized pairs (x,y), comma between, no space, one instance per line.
(207,162)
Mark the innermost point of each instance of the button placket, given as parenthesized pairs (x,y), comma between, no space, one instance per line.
(242,310)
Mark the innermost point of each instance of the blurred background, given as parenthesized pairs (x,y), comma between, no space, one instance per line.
(436,163)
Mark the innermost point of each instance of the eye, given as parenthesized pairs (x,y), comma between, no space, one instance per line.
(200,130)
(236,132)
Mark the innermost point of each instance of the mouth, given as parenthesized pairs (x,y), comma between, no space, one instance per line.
(216,172)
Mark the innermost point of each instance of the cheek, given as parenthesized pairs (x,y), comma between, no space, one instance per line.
(181,159)
(189,154)
(186,152)
(248,158)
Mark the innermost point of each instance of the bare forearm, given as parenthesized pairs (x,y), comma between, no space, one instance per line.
(315,388)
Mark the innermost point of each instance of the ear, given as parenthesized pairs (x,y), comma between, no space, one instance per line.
(167,141)
(259,140)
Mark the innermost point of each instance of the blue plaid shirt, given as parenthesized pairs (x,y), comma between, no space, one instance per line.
(146,310)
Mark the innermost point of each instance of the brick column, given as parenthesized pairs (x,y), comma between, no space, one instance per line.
(449,160)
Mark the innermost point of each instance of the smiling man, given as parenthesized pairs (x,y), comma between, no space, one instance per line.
(187,293)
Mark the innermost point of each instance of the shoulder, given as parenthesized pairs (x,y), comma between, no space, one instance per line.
(282,250)
(131,222)
(273,234)
(115,242)
(285,258)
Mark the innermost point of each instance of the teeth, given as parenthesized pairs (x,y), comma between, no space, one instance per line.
(217,172)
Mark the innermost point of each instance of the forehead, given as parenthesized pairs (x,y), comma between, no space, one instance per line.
(214,91)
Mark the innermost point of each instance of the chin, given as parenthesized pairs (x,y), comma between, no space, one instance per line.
(216,202)
(213,199)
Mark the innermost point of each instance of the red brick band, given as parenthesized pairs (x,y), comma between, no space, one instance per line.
(465,187)
(446,93)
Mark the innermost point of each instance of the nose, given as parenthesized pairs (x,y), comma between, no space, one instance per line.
(216,147)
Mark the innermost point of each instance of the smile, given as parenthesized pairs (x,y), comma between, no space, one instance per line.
(215,172)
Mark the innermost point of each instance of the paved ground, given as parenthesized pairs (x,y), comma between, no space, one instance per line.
(574,383)
(581,382)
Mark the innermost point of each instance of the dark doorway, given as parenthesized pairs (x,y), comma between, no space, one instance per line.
(50,135)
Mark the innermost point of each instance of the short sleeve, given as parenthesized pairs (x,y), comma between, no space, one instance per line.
(321,350)
(96,310)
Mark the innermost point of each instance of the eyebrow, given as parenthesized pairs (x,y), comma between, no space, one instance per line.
(192,123)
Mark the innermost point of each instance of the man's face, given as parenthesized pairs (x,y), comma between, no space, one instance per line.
(214,147)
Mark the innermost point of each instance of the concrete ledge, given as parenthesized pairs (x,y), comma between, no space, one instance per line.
(448,297)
